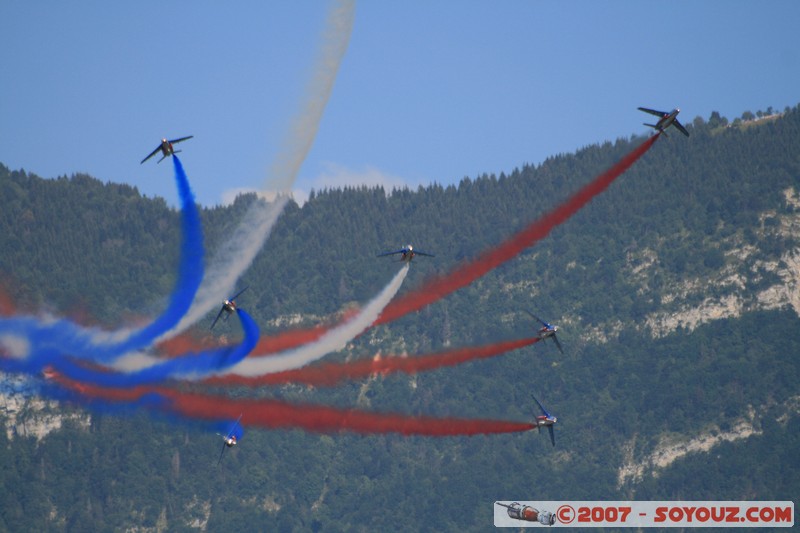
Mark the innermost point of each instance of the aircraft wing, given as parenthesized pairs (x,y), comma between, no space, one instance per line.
(680,127)
(545,324)
(423,253)
(384,254)
(233,427)
(558,344)
(220,453)
(154,152)
(544,412)
(552,435)
(181,139)
(653,112)
(232,298)
(218,315)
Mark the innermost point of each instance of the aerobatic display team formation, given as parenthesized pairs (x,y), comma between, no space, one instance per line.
(102,369)
(148,367)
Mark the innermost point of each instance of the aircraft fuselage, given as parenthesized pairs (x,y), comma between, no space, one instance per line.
(667,120)
(166,148)
(547,332)
(542,421)
(408,253)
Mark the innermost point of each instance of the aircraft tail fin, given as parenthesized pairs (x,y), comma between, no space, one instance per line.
(656,128)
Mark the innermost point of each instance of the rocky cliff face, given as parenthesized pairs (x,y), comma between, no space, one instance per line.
(27,415)
(671,448)
(727,293)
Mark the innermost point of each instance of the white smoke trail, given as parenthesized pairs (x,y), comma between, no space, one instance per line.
(134,361)
(237,254)
(332,341)
(229,261)
(16,346)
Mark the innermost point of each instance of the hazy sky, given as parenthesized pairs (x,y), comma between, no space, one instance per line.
(428,91)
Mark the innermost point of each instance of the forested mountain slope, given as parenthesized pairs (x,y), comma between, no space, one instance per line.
(677,291)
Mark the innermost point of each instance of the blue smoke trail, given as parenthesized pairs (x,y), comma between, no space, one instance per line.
(154,404)
(190,270)
(152,401)
(35,343)
(188,366)
(230,427)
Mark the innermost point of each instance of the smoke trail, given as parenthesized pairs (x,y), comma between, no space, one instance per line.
(189,366)
(111,401)
(190,272)
(7,307)
(289,339)
(125,402)
(439,287)
(329,374)
(48,338)
(317,341)
(233,258)
(238,253)
(186,342)
(274,414)
(333,340)
(286,340)
(267,345)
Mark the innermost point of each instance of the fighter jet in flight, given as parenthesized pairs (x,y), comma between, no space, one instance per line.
(530,514)
(666,119)
(545,420)
(406,254)
(231,438)
(166,148)
(228,306)
(547,330)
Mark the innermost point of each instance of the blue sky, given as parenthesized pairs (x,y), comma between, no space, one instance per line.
(428,91)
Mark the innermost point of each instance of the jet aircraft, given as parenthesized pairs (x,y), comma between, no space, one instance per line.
(529,514)
(230,439)
(406,254)
(547,331)
(228,306)
(166,148)
(545,419)
(666,119)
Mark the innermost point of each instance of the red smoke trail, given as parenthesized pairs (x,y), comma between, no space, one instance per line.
(274,414)
(439,287)
(95,391)
(294,338)
(7,307)
(279,342)
(187,342)
(288,339)
(328,374)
